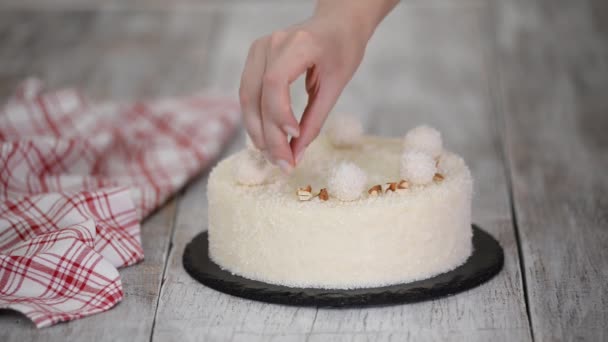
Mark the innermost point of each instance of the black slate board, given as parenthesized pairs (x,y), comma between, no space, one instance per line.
(485,262)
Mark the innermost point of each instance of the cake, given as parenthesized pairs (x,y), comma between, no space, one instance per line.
(370,212)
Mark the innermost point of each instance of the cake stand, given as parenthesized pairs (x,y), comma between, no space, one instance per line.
(485,262)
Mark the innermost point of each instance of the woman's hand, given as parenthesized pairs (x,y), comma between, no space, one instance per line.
(328,48)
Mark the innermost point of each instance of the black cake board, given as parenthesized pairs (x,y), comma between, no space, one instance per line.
(486,261)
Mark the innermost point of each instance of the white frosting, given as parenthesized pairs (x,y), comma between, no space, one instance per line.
(265,233)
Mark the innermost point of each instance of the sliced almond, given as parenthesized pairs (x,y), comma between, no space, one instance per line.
(391,187)
(323,195)
(304,194)
(403,185)
(438,177)
(375,190)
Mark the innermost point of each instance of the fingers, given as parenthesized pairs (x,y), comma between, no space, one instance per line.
(320,103)
(278,147)
(276,117)
(250,92)
(285,62)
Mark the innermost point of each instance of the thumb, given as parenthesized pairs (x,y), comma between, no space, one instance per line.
(320,103)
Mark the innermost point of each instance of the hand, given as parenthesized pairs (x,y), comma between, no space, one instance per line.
(328,48)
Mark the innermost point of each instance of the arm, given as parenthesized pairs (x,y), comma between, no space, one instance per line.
(328,48)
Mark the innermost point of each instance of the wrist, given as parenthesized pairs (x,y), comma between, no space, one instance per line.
(357,17)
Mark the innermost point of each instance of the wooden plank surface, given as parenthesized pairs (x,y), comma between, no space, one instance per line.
(534,71)
(113,55)
(553,72)
(168,5)
(425,64)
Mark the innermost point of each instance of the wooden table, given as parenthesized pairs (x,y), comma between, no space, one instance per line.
(519,87)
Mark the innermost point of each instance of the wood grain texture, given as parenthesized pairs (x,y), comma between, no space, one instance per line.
(553,68)
(117,55)
(114,56)
(171,5)
(425,64)
(541,65)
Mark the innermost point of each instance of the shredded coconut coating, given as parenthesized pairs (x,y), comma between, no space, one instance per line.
(417,167)
(253,169)
(425,139)
(344,131)
(347,181)
(267,234)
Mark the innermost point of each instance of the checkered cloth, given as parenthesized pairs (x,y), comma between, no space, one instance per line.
(76,179)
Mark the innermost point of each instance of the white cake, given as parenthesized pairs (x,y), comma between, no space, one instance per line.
(268,233)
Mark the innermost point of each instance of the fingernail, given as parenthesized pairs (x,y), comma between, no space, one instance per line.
(285,167)
(294,132)
(299,157)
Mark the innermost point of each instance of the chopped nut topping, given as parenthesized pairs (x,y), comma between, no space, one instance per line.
(304,194)
(391,187)
(323,195)
(438,177)
(403,185)
(375,190)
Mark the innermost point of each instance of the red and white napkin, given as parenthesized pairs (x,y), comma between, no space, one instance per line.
(75,181)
